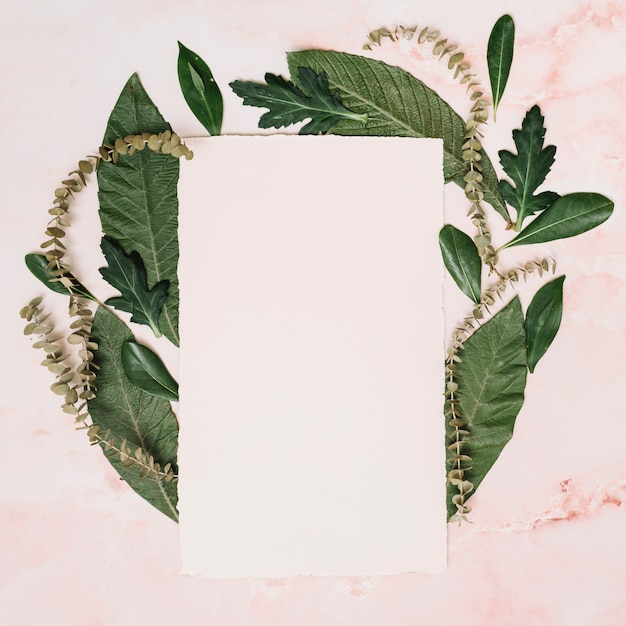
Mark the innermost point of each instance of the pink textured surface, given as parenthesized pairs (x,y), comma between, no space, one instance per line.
(546,545)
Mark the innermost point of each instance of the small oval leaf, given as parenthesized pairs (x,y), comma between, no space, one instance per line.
(461,259)
(200,90)
(146,371)
(568,216)
(38,265)
(543,319)
(500,57)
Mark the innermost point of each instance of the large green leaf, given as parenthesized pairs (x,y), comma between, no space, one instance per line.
(491,379)
(461,258)
(142,419)
(396,104)
(138,200)
(570,215)
(500,57)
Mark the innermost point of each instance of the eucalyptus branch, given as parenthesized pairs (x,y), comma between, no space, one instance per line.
(140,458)
(479,114)
(452,410)
(53,247)
(75,396)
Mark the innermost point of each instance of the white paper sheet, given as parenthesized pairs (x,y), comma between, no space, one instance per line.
(311,322)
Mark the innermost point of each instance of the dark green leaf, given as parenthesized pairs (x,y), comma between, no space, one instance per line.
(138,201)
(491,379)
(543,319)
(528,168)
(200,90)
(126,272)
(462,260)
(289,104)
(38,265)
(500,57)
(570,215)
(145,370)
(142,419)
(396,104)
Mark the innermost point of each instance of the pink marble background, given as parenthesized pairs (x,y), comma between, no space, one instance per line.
(546,544)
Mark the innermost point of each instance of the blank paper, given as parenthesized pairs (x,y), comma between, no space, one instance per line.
(311,363)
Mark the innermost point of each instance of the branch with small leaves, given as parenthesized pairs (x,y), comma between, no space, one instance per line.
(479,114)
(76,396)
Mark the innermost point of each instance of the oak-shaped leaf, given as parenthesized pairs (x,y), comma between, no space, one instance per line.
(528,168)
(289,104)
(127,273)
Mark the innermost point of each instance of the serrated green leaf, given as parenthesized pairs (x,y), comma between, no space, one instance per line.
(38,265)
(543,319)
(289,104)
(570,215)
(397,104)
(461,258)
(500,57)
(147,371)
(142,419)
(138,199)
(126,272)
(528,168)
(492,379)
(200,90)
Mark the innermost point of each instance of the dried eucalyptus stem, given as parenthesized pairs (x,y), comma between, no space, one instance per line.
(75,396)
(77,385)
(474,192)
(479,114)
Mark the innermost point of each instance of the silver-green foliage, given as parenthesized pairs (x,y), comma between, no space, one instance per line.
(396,104)
(138,199)
(140,420)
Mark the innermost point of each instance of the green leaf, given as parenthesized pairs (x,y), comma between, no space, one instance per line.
(397,104)
(570,215)
(38,265)
(500,57)
(491,382)
(140,418)
(528,168)
(138,201)
(145,370)
(543,319)
(289,104)
(200,90)
(126,272)
(461,258)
